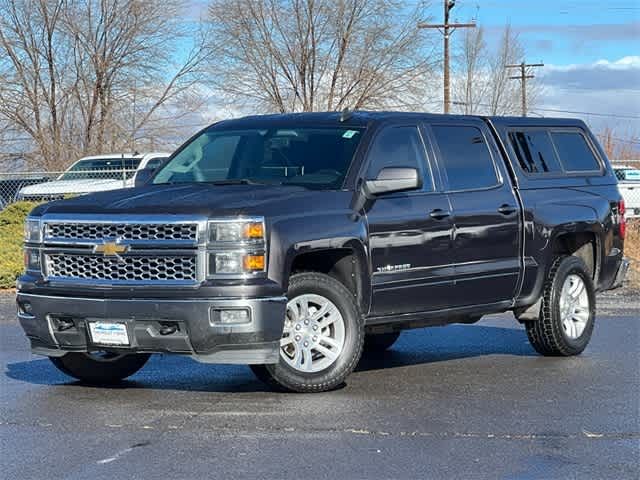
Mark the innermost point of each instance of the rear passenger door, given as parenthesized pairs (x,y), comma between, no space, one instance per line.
(409,232)
(486,214)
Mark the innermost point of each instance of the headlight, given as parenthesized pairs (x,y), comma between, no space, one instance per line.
(32,259)
(32,231)
(236,263)
(236,248)
(242,231)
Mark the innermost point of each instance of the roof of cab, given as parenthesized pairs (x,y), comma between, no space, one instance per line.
(360,118)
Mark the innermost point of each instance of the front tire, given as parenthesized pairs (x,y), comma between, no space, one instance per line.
(567,314)
(322,339)
(100,368)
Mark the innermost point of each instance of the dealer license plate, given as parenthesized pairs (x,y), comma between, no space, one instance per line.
(109,333)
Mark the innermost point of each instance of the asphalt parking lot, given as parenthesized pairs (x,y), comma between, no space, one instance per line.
(463,401)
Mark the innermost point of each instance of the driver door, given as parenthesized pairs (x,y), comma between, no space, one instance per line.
(409,232)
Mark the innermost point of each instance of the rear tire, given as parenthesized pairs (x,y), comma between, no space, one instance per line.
(105,370)
(567,314)
(322,340)
(379,342)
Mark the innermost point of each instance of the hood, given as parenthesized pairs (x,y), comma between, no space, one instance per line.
(200,199)
(61,187)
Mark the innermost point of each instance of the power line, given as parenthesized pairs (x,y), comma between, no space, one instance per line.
(595,114)
(446,29)
(523,77)
(618,139)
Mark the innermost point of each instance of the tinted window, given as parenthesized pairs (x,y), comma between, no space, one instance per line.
(535,151)
(314,157)
(398,147)
(465,157)
(575,154)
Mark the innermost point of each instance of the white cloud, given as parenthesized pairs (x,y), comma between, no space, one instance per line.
(608,90)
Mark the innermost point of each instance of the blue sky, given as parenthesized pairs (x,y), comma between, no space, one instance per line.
(562,32)
(591,50)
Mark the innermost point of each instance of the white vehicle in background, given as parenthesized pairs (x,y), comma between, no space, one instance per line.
(629,186)
(96,173)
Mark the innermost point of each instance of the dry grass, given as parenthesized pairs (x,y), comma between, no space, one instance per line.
(632,250)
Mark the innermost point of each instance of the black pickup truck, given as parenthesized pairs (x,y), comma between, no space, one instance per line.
(294,242)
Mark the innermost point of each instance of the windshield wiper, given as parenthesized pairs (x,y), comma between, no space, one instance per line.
(235,181)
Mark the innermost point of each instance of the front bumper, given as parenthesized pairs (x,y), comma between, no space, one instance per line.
(56,325)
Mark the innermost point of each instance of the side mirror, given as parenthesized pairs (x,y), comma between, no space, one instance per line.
(143,176)
(393,179)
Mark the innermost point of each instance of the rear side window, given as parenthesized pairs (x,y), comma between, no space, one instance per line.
(534,151)
(399,147)
(465,157)
(574,152)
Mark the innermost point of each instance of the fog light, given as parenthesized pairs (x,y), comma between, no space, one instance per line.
(231,316)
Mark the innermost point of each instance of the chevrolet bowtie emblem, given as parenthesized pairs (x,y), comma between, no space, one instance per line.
(110,249)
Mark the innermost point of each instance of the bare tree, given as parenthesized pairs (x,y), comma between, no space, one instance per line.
(88,76)
(34,64)
(482,84)
(503,99)
(619,145)
(305,55)
(470,84)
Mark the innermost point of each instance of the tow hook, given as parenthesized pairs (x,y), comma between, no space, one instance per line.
(168,329)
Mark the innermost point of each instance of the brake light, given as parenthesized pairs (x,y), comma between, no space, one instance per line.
(622,221)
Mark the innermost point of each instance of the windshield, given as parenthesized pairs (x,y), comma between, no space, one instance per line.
(313,157)
(104,168)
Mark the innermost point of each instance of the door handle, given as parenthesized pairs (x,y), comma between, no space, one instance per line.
(507,209)
(439,214)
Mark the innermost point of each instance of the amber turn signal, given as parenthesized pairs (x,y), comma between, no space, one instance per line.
(254,230)
(253,263)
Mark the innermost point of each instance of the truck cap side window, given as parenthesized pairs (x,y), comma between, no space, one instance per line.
(465,157)
(575,153)
(535,151)
(399,146)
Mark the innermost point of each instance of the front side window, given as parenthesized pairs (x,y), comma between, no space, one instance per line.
(398,147)
(465,157)
(102,168)
(534,151)
(575,154)
(313,157)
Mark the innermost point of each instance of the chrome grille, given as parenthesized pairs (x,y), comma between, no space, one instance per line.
(121,231)
(166,268)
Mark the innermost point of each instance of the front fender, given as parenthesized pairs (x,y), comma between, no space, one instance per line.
(293,236)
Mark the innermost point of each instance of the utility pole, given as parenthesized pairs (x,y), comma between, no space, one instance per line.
(523,77)
(446,29)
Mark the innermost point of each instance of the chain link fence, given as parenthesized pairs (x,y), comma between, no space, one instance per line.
(47,186)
